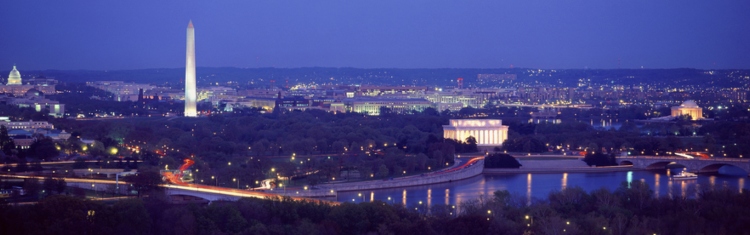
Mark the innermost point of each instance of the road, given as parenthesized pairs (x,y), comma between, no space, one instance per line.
(189,187)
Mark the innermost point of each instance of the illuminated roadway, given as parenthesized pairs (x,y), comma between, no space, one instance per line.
(187,187)
(206,190)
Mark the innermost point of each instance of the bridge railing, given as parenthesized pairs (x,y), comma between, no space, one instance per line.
(683,158)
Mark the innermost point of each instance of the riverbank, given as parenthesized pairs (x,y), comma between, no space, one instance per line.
(466,170)
(558,170)
(531,165)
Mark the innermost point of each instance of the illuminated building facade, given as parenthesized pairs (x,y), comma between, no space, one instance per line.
(16,87)
(690,108)
(371,106)
(190,92)
(487,132)
(122,91)
(14,78)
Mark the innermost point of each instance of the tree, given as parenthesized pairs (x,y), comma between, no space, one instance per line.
(6,143)
(49,185)
(80,163)
(600,159)
(61,185)
(132,217)
(22,165)
(32,187)
(501,160)
(383,171)
(43,148)
(472,145)
(145,181)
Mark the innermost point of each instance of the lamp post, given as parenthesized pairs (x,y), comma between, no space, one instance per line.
(238,182)
(216,180)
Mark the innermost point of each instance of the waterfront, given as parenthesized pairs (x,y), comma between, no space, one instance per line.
(539,185)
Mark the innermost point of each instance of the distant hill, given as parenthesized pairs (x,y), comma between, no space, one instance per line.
(421,77)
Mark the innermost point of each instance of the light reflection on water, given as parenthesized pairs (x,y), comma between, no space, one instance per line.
(539,185)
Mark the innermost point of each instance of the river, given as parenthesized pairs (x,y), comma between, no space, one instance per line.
(539,185)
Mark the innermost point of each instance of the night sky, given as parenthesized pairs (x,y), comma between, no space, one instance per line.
(559,34)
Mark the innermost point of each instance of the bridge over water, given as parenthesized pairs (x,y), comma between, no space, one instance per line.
(696,165)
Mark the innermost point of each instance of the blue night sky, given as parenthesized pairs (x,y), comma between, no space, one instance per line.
(99,35)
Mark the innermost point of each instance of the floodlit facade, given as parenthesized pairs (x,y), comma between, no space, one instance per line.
(16,88)
(487,132)
(688,107)
(371,106)
(14,78)
(190,92)
(123,91)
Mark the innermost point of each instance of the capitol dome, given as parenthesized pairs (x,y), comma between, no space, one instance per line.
(689,104)
(14,78)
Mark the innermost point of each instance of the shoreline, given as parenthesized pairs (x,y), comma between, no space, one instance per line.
(494,171)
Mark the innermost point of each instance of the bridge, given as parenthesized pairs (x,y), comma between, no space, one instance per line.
(696,165)
(178,193)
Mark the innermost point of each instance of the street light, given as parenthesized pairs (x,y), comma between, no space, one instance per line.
(238,182)
(217,180)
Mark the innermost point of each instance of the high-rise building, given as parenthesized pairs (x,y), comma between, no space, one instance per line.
(190,92)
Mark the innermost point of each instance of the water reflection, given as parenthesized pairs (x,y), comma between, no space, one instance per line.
(538,185)
(741,184)
(657,184)
(528,189)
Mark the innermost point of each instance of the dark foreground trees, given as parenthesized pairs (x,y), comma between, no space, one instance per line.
(630,209)
(501,160)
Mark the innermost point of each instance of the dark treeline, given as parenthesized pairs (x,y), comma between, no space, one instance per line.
(290,143)
(501,160)
(630,209)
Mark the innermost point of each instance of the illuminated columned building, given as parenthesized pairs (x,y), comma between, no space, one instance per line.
(688,107)
(487,132)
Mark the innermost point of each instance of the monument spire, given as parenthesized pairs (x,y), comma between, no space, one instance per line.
(190,92)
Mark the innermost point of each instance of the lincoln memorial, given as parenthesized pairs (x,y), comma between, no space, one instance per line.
(487,132)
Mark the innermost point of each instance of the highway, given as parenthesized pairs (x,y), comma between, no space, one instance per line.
(188,187)
(63,162)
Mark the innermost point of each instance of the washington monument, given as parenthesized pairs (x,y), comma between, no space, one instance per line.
(190,94)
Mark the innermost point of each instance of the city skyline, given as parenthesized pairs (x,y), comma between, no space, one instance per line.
(103,36)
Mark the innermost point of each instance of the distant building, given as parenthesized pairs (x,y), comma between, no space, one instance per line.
(371,106)
(14,78)
(24,133)
(390,90)
(16,87)
(495,79)
(123,91)
(690,108)
(487,132)
(293,102)
(264,103)
(35,99)
(28,125)
(214,94)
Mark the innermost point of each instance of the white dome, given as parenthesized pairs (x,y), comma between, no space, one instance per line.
(14,78)
(689,104)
